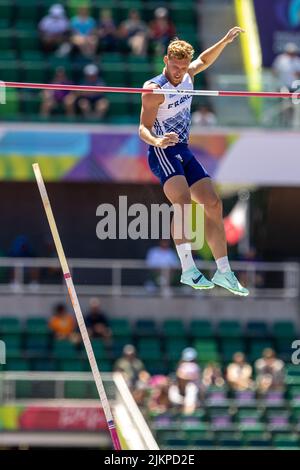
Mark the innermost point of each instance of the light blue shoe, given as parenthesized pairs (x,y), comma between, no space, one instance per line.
(194,278)
(229,282)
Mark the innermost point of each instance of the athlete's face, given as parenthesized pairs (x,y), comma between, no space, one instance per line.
(176,69)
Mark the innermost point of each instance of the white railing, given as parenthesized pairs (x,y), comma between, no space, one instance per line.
(127,277)
(54,385)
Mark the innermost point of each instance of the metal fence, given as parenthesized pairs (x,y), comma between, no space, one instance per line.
(126,277)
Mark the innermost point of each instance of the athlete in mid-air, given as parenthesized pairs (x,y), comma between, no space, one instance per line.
(164,125)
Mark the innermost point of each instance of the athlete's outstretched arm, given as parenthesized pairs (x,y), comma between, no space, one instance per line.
(209,56)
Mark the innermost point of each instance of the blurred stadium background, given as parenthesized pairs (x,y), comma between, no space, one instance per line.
(251,148)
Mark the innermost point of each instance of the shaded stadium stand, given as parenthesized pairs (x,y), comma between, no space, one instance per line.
(22,59)
(226,418)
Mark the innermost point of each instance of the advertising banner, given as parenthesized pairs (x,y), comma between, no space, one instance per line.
(278,23)
(53,418)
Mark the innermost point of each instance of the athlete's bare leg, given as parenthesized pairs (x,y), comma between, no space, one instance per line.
(177,191)
(203,192)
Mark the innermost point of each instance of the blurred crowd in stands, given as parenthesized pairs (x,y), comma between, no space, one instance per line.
(185,388)
(84,38)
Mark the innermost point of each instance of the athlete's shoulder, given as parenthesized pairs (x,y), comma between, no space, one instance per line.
(149,84)
(188,78)
(159,80)
(151,98)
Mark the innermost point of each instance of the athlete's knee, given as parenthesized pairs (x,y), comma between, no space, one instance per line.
(183,198)
(214,204)
(178,195)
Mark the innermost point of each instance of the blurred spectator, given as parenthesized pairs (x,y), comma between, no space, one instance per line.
(162,30)
(184,392)
(239,373)
(269,372)
(62,324)
(91,104)
(132,368)
(107,31)
(286,67)
(212,376)
(54,28)
(163,258)
(135,32)
(159,401)
(189,356)
(54,100)
(84,34)
(22,248)
(204,116)
(97,322)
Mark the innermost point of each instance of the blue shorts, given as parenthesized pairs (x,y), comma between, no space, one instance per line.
(173,161)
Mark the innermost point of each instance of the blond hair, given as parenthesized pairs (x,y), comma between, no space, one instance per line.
(179,49)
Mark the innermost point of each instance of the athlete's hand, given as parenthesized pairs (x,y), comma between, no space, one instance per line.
(168,140)
(232,34)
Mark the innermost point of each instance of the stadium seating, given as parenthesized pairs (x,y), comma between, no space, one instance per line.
(201,329)
(22,59)
(226,419)
(164,340)
(10,326)
(173,329)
